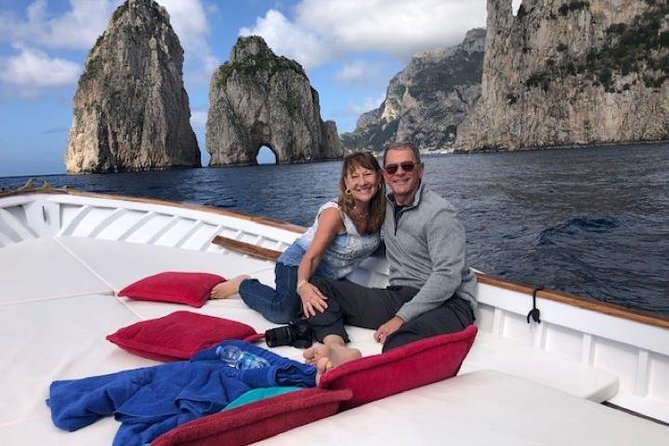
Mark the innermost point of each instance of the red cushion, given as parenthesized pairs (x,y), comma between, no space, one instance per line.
(179,335)
(253,422)
(403,368)
(177,287)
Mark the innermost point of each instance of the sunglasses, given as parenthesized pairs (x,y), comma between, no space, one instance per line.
(407,166)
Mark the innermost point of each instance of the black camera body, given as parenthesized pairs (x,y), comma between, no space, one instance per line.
(297,333)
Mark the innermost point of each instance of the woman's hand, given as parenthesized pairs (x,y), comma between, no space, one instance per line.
(312,299)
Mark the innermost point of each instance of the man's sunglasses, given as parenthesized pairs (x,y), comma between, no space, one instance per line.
(407,166)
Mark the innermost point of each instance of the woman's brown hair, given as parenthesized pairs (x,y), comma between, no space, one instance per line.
(377,207)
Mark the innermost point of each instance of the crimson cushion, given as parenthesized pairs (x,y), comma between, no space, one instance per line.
(403,368)
(177,287)
(256,421)
(179,335)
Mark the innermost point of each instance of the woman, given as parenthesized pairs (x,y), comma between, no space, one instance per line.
(343,234)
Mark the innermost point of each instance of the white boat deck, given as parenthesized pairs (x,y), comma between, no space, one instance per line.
(58,303)
(56,313)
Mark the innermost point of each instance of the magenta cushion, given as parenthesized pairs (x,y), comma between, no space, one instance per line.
(179,335)
(177,287)
(253,422)
(403,368)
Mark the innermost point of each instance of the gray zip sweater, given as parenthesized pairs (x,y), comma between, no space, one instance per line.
(425,247)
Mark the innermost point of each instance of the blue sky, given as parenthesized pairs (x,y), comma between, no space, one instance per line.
(349,48)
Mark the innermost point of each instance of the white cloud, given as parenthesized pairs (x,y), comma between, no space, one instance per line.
(34,68)
(189,20)
(290,39)
(348,115)
(86,20)
(198,119)
(358,71)
(77,28)
(322,29)
(366,105)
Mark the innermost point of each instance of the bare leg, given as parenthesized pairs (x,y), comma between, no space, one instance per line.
(226,289)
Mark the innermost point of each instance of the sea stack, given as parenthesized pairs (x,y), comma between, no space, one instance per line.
(131,110)
(260,99)
(564,73)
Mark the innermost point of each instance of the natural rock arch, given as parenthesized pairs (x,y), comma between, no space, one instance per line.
(258,98)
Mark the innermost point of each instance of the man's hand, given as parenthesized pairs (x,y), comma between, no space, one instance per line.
(387,329)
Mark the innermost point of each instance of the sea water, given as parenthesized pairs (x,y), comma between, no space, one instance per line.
(588,221)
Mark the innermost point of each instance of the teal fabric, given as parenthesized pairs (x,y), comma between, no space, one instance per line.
(259,394)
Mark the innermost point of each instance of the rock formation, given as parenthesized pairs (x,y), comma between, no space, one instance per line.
(427,101)
(566,72)
(258,98)
(131,109)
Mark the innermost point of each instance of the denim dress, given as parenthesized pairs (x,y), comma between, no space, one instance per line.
(345,253)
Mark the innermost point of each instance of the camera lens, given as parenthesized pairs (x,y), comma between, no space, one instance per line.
(277,337)
(297,333)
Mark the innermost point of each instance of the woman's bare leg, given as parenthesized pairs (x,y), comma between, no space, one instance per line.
(226,289)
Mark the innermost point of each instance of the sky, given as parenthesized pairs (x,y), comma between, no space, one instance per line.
(350,50)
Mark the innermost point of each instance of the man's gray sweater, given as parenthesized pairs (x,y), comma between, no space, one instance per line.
(425,247)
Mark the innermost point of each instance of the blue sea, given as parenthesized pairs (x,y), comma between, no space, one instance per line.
(589,221)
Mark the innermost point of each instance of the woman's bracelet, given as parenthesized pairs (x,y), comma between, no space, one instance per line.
(300,283)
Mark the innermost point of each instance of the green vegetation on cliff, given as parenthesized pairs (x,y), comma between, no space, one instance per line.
(460,69)
(372,137)
(640,47)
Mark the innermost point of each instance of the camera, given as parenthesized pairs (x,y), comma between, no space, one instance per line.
(297,333)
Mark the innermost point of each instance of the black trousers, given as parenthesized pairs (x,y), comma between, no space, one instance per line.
(353,304)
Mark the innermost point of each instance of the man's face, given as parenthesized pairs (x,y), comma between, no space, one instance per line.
(402,174)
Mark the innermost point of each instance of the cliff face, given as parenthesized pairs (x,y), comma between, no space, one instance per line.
(131,109)
(565,72)
(258,98)
(426,102)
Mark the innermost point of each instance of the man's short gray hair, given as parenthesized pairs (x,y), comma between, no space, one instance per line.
(403,145)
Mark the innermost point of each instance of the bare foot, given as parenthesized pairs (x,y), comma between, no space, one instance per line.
(226,289)
(313,354)
(322,366)
(330,356)
(340,355)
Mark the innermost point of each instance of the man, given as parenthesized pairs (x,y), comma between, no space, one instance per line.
(431,287)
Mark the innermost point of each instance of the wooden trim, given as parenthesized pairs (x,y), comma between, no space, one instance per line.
(576,301)
(246,248)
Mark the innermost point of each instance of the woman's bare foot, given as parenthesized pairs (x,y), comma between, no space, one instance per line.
(226,289)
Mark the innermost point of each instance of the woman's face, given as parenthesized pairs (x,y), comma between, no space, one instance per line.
(363,183)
